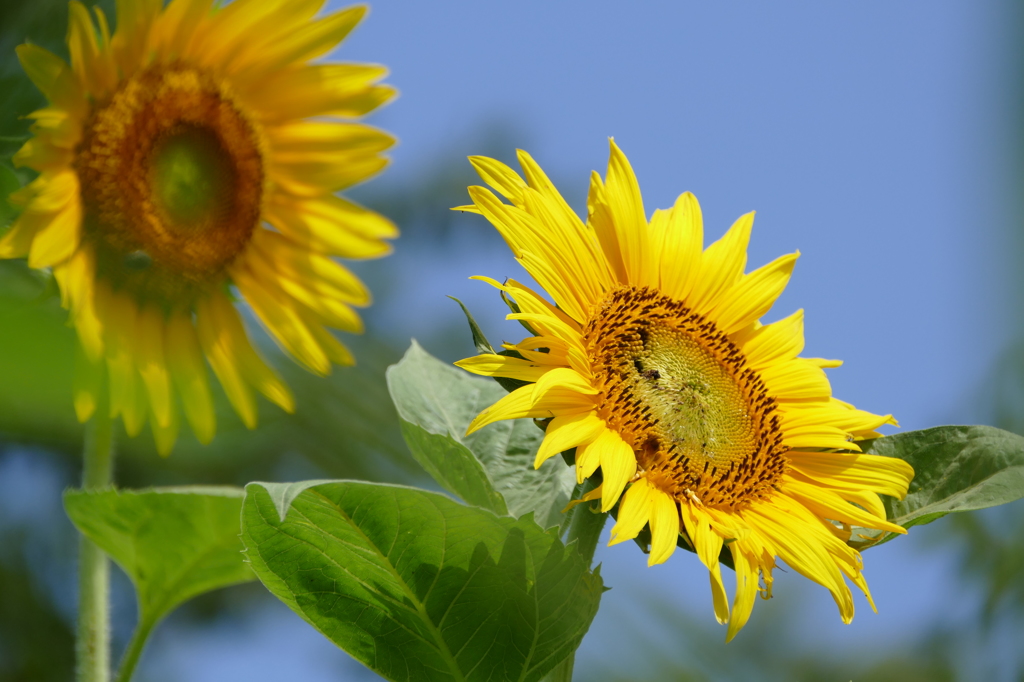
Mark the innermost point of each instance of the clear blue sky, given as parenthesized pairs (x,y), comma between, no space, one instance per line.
(871,136)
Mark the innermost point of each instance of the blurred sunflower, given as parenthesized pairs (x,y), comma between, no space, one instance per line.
(179,157)
(653,365)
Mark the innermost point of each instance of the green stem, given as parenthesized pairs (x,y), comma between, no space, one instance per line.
(93,640)
(134,650)
(585,528)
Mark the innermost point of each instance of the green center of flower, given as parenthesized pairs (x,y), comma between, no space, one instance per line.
(698,407)
(680,392)
(172,178)
(192,179)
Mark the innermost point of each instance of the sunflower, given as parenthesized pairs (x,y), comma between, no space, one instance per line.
(190,157)
(652,363)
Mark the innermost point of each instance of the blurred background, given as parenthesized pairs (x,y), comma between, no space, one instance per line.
(882,140)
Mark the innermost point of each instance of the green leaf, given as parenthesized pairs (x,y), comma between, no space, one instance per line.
(492,468)
(484,346)
(8,183)
(956,469)
(419,587)
(174,543)
(479,340)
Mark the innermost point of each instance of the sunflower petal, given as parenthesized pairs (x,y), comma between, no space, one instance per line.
(185,361)
(634,511)
(568,431)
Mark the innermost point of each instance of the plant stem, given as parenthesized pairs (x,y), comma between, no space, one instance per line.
(134,650)
(93,639)
(585,528)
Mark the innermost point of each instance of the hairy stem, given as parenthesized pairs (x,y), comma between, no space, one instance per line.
(93,637)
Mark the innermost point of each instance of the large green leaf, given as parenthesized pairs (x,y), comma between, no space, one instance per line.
(956,469)
(174,543)
(419,587)
(492,468)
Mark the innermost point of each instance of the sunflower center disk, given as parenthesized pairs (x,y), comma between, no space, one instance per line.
(694,400)
(192,181)
(172,184)
(679,391)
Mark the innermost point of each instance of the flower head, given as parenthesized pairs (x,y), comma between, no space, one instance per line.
(180,157)
(653,364)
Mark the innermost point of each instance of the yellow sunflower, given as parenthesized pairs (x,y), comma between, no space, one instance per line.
(194,150)
(653,365)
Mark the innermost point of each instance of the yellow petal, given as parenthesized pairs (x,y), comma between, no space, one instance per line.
(566,432)
(531,302)
(39,153)
(565,378)
(818,436)
(336,351)
(549,326)
(796,380)
(886,475)
(17,241)
(520,403)
(316,271)
(185,360)
(681,247)
(53,77)
(754,294)
(803,546)
(721,265)
(499,176)
(87,383)
(494,365)
(178,25)
(317,137)
(706,542)
(588,458)
(830,505)
(331,225)
(165,435)
(618,466)
(240,33)
(779,341)
(92,62)
(585,241)
(120,314)
(55,242)
(284,323)
(77,280)
(321,309)
(319,90)
(634,512)
(135,20)
(746,590)
(601,221)
(311,40)
(151,364)
(626,209)
(313,179)
(664,527)
(217,345)
(254,369)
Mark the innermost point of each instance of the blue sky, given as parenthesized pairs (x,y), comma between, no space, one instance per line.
(874,137)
